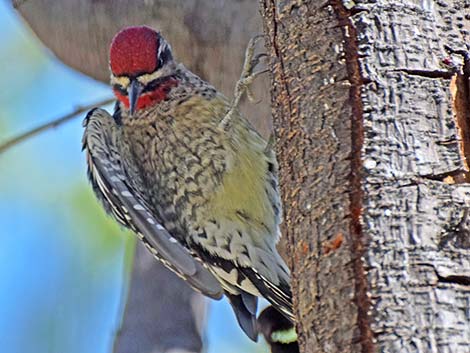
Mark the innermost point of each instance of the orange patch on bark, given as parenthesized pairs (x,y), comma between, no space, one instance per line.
(333,244)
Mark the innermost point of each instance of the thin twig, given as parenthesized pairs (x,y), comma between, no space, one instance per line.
(50,125)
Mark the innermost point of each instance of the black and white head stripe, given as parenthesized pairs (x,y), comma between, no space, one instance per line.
(164,53)
(128,207)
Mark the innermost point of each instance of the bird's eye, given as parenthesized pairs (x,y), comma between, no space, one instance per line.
(120,89)
(120,83)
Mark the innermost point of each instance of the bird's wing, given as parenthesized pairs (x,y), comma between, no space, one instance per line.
(105,171)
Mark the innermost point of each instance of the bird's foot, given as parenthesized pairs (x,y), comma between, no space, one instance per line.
(247,77)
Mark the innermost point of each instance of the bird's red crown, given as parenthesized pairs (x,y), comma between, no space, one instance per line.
(134,51)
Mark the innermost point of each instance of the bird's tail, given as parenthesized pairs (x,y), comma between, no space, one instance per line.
(278,294)
(244,306)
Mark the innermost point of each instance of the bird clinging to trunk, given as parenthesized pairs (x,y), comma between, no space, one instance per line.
(180,166)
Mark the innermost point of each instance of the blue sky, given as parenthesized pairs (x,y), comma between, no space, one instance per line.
(62,270)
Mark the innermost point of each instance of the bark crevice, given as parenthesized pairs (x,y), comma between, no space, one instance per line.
(356,193)
(454,279)
(445,74)
(461,106)
(458,176)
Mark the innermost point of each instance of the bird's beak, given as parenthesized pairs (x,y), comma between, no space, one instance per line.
(134,92)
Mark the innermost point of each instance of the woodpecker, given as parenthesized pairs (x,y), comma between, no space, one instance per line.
(181,167)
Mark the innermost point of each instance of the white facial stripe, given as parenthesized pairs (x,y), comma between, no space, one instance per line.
(120,80)
(146,78)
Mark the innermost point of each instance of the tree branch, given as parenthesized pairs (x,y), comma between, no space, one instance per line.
(50,125)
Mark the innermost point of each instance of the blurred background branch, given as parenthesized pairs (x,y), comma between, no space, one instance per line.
(54,123)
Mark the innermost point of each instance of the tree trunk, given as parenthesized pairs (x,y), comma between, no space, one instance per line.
(373,139)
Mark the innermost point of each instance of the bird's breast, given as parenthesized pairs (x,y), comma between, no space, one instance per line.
(196,171)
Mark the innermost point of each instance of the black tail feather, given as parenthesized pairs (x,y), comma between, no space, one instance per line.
(250,302)
(245,316)
(280,296)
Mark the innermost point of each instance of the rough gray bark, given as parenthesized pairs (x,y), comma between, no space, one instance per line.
(373,144)
(210,38)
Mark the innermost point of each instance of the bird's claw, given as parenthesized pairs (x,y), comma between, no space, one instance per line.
(246,78)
